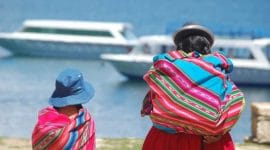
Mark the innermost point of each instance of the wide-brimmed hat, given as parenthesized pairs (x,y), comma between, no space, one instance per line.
(193,29)
(71,89)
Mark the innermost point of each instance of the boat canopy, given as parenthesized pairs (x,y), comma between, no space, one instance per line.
(81,28)
(79,25)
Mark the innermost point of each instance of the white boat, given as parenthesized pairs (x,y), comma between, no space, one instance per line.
(69,39)
(139,60)
(251,66)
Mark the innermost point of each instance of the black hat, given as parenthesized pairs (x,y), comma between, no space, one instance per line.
(193,29)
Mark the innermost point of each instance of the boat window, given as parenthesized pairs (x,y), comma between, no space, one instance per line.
(266,51)
(153,49)
(163,48)
(128,34)
(68,31)
(235,52)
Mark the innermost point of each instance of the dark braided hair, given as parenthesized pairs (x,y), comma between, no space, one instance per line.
(195,43)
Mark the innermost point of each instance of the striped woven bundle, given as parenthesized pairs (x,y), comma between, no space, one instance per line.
(56,131)
(192,93)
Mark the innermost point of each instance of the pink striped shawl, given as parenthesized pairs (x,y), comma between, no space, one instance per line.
(177,102)
(55,131)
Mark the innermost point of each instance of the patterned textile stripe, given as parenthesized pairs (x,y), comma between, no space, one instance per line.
(163,107)
(223,59)
(82,130)
(177,112)
(57,142)
(200,63)
(176,54)
(62,139)
(40,135)
(185,101)
(185,83)
(165,117)
(169,117)
(169,96)
(201,122)
(83,133)
(235,96)
(72,133)
(188,96)
(46,140)
(203,126)
(72,139)
(235,107)
(207,67)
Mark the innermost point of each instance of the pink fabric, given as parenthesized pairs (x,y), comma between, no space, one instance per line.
(57,131)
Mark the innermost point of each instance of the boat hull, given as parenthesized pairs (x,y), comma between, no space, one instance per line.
(251,76)
(132,70)
(61,49)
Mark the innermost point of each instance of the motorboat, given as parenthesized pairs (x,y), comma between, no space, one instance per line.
(69,39)
(135,64)
(251,65)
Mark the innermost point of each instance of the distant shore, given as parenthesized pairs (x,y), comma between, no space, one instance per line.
(109,144)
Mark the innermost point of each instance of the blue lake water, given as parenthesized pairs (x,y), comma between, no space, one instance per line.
(26,83)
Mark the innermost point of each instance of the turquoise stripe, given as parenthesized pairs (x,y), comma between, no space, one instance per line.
(213,60)
(80,119)
(74,133)
(202,77)
(166,129)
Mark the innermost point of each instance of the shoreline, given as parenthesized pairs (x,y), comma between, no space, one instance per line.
(7,143)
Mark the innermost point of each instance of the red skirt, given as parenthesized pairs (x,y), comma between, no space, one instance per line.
(160,140)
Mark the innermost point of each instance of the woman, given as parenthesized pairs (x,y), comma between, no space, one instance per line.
(196,71)
(66,124)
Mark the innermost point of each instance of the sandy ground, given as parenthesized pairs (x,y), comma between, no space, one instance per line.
(24,144)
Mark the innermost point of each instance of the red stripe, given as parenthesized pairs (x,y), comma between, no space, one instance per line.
(223,59)
(207,67)
(185,111)
(180,77)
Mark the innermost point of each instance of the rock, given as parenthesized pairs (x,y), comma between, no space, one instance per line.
(260,122)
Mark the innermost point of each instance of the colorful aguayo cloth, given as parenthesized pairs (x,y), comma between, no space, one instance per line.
(191,93)
(58,132)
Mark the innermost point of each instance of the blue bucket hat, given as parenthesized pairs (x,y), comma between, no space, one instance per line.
(71,89)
